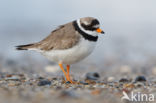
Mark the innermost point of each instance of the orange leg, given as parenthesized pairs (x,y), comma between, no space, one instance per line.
(61,66)
(68,75)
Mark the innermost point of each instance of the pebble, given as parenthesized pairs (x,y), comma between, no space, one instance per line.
(110,79)
(44,82)
(124,80)
(130,85)
(14,78)
(82,90)
(84,83)
(92,76)
(139,84)
(140,79)
(40,77)
(68,82)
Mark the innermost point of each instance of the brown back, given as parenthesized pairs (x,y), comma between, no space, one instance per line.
(62,38)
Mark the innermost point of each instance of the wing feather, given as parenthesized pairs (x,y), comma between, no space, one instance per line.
(62,38)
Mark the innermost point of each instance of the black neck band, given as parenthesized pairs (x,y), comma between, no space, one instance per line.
(85,35)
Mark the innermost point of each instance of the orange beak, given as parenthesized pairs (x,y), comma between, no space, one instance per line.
(100,31)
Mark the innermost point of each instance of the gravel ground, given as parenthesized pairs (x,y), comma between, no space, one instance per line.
(28,83)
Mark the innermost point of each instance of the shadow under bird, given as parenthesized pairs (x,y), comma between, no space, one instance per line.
(69,43)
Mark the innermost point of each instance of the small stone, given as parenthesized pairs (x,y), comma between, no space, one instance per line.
(92,76)
(11,84)
(110,79)
(40,77)
(139,84)
(124,80)
(68,82)
(140,79)
(129,85)
(44,82)
(84,83)
(14,78)
(90,81)
(8,75)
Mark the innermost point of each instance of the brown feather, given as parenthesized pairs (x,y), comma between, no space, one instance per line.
(25,47)
(62,38)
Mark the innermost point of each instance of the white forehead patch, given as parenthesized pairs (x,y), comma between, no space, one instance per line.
(86,23)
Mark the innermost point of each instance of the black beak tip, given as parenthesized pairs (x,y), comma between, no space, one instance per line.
(102,32)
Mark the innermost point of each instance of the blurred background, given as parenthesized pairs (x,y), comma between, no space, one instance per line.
(130,27)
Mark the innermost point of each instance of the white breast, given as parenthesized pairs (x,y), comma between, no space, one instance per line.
(71,55)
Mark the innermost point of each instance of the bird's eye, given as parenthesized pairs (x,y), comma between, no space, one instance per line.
(95,22)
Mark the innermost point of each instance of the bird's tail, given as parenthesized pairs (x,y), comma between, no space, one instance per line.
(26,47)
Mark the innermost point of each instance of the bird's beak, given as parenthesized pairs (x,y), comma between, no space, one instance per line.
(100,31)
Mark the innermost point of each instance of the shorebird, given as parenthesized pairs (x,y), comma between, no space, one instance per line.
(69,43)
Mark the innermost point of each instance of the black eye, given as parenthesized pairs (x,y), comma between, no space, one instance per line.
(95,22)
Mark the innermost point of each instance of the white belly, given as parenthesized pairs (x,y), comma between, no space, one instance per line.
(71,55)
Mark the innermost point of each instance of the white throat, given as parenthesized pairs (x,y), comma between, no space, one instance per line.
(93,33)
